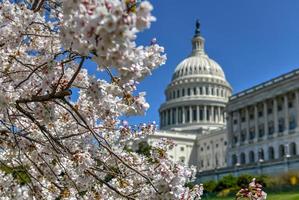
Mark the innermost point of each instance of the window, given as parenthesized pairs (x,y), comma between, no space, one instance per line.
(261,155)
(217,145)
(292,123)
(261,130)
(279,107)
(290,104)
(235,121)
(189,91)
(182,159)
(182,148)
(183,92)
(178,94)
(243,158)
(281,151)
(251,133)
(243,118)
(208,147)
(270,110)
(235,139)
(234,160)
(180,115)
(208,115)
(194,91)
(194,114)
(251,157)
(281,125)
(173,116)
(187,114)
(260,113)
(271,153)
(293,149)
(225,143)
(200,90)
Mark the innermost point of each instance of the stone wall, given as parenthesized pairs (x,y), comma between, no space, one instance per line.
(263,168)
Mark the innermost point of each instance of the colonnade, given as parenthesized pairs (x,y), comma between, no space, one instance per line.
(192,114)
(277,119)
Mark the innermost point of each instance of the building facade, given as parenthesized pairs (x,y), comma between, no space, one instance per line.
(220,133)
(263,121)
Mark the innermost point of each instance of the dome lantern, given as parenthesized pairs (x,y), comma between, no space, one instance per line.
(197,41)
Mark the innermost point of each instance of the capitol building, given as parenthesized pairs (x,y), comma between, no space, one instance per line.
(253,131)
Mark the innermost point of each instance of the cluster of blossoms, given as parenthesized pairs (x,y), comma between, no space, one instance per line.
(253,192)
(59,145)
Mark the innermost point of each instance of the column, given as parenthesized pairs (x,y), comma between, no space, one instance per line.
(219,115)
(286,113)
(256,128)
(168,116)
(212,114)
(197,112)
(183,112)
(204,113)
(239,121)
(247,124)
(275,116)
(171,115)
(297,108)
(177,115)
(230,130)
(265,118)
(190,114)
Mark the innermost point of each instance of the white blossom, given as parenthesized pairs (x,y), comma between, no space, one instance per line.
(69,72)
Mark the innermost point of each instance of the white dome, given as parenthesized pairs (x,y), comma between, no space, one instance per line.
(198,93)
(198,65)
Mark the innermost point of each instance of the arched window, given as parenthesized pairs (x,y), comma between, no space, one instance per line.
(234,160)
(281,151)
(271,153)
(251,157)
(243,158)
(293,149)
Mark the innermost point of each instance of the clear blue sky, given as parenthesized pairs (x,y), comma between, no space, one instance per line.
(253,41)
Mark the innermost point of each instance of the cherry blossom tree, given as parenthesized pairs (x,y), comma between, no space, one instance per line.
(253,192)
(61,136)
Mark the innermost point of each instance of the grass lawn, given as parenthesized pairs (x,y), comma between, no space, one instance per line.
(283,196)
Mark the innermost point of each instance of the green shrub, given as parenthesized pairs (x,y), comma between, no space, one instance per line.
(226,182)
(210,186)
(244,180)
